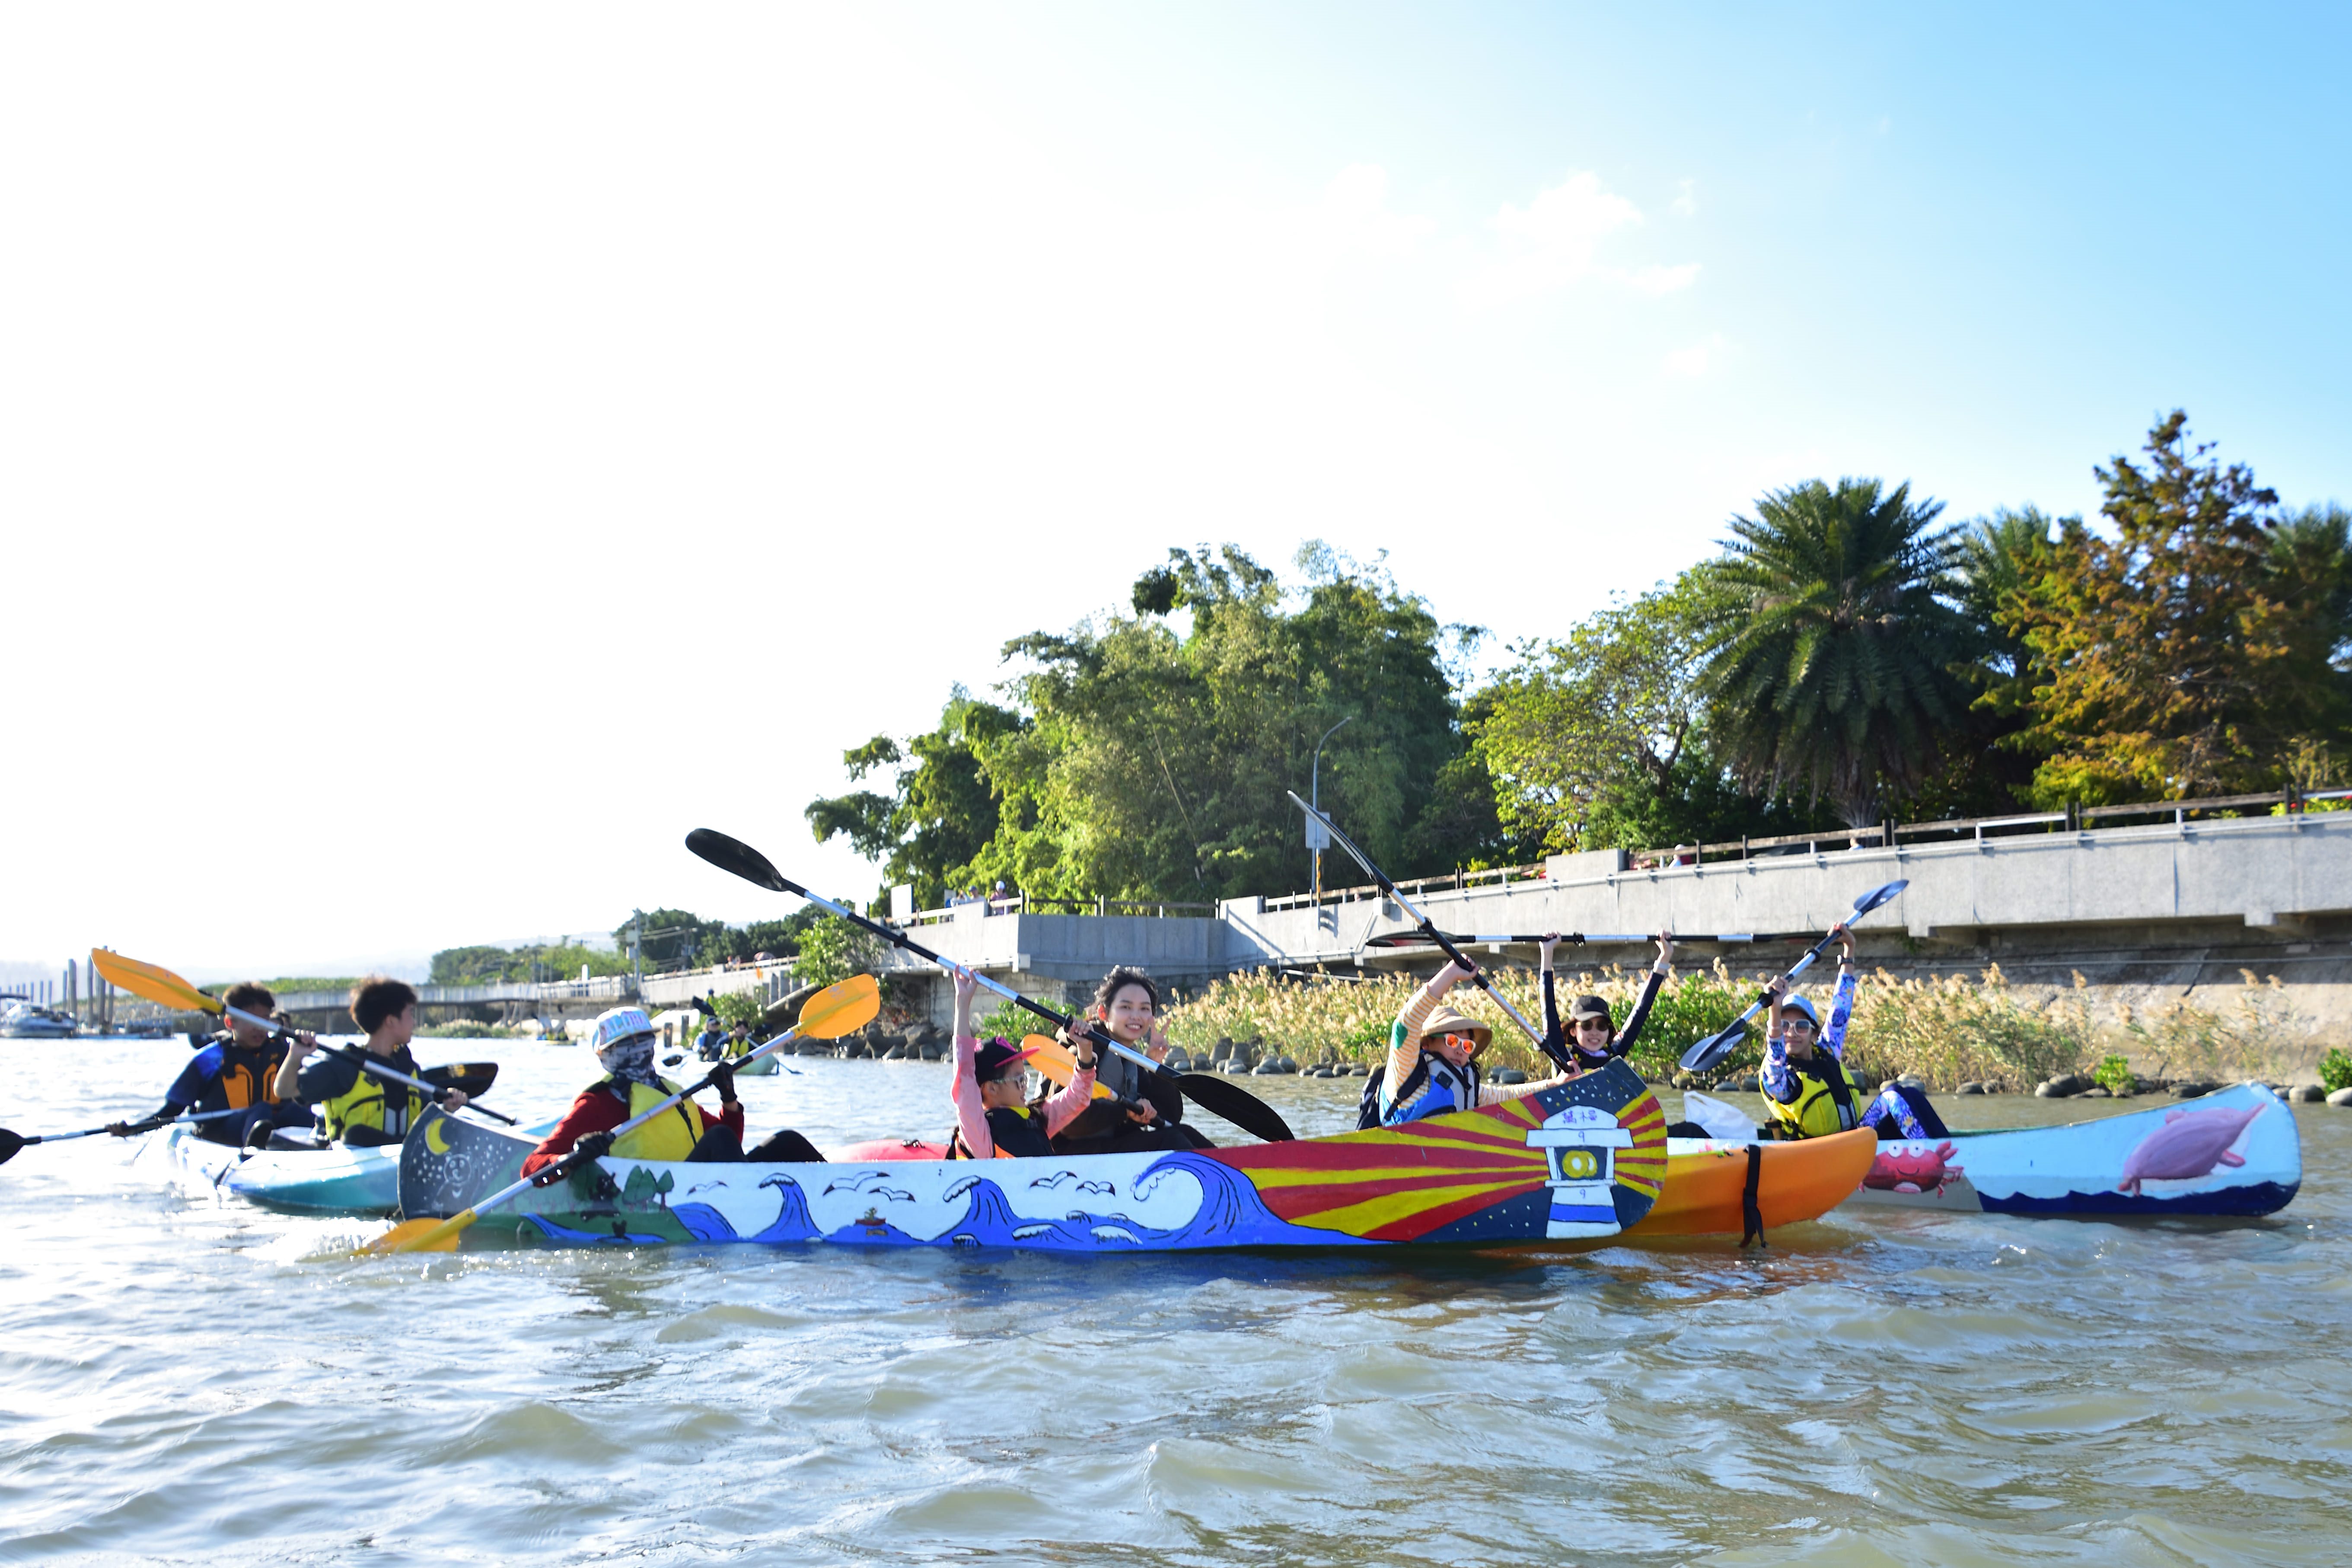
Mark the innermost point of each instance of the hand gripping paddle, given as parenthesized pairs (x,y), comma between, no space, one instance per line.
(157,983)
(1214,1095)
(1716,1047)
(829,1015)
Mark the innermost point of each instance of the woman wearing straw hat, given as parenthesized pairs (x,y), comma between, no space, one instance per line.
(1433,1066)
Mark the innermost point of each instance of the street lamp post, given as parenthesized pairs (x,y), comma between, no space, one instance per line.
(1314,798)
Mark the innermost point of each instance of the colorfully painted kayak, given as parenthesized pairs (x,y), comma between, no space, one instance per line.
(1706,1183)
(1580,1162)
(2235,1152)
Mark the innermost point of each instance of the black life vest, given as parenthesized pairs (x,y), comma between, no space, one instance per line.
(248,1075)
(1018,1134)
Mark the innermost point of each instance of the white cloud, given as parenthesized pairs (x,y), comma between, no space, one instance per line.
(1698,359)
(1554,241)
(1684,204)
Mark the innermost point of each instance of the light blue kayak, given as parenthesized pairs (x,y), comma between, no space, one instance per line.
(329,1180)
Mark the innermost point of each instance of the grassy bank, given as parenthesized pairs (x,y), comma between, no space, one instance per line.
(1947,1031)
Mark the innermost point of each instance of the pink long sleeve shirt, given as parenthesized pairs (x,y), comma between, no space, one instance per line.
(971,1117)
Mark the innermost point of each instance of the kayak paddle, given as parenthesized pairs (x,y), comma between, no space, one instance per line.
(12,1142)
(1567,938)
(1214,1095)
(1718,1046)
(829,1015)
(157,983)
(1429,928)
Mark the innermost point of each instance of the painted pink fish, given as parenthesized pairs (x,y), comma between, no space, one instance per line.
(2190,1143)
(1903,1170)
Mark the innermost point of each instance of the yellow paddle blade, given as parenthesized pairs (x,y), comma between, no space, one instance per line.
(153,982)
(419,1235)
(1054,1060)
(837,1009)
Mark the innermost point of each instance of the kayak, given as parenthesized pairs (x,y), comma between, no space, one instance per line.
(2235,1152)
(331,1179)
(1706,1183)
(1581,1162)
(760,1069)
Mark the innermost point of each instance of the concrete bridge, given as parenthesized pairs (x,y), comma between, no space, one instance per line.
(567,998)
(2145,913)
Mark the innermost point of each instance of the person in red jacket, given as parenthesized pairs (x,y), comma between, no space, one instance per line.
(625,1042)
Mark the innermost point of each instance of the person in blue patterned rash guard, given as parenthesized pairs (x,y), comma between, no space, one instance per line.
(1808,1088)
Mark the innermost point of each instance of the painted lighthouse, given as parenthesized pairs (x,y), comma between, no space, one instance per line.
(1579,1145)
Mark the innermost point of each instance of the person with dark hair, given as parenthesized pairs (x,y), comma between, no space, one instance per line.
(1596,1039)
(358,1108)
(995,1118)
(1127,1006)
(234,1070)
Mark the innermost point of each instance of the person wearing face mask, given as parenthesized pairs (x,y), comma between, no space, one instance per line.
(624,1042)
(1591,1030)
(1433,1064)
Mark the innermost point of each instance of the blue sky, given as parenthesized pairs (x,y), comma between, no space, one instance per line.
(566,425)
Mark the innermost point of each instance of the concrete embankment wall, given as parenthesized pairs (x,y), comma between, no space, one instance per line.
(2147,916)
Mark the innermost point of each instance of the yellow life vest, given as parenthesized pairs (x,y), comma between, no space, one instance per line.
(382,1110)
(1817,1112)
(672,1135)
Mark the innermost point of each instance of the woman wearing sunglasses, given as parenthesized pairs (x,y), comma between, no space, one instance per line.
(1590,1028)
(1433,1066)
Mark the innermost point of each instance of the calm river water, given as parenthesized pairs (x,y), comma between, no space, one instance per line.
(177,1383)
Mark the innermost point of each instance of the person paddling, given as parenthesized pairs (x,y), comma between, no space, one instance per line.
(236,1070)
(624,1042)
(1433,1066)
(1127,1005)
(1809,1089)
(359,1109)
(1592,1029)
(738,1042)
(995,1118)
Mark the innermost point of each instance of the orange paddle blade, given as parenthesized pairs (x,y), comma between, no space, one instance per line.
(838,1009)
(419,1235)
(1054,1059)
(152,982)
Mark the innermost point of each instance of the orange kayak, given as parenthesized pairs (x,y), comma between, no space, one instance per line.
(1798,1181)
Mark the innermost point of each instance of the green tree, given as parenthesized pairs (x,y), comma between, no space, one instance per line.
(1831,653)
(2194,651)
(1606,712)
(1154,759)
(832,950)
(941,811)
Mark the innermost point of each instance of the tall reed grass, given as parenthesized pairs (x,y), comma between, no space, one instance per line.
(1947,1031)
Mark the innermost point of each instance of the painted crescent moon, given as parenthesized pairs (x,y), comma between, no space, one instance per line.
(434,1138)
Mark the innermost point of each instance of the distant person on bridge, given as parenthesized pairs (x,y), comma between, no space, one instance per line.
(361,1109)
(1809,1089)
(625,1042)
(237,1069)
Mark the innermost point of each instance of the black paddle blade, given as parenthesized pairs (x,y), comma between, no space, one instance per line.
(734,855)
(1222,1097)
(1709,1052)
(474,1077)
(1877,896)
(9,1144)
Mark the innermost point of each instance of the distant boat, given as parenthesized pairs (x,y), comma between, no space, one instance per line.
(24,1021)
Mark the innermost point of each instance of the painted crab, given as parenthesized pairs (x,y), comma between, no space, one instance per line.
(1908,1168)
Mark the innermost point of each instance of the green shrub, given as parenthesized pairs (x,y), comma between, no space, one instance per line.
(2115,1074)
(2335,1070)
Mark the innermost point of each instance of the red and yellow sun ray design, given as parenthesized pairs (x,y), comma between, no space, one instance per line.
(1399,1182)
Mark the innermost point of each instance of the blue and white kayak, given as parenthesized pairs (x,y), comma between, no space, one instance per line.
(2235,1152)
(328,1180)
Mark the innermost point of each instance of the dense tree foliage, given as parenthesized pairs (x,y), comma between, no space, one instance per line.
(1846,656)
(2193,650)
(1832,642)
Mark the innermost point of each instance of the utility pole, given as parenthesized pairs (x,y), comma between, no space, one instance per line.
(637,951)
(1318,837)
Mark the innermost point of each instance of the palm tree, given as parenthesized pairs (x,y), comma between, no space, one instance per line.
(1832,641)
